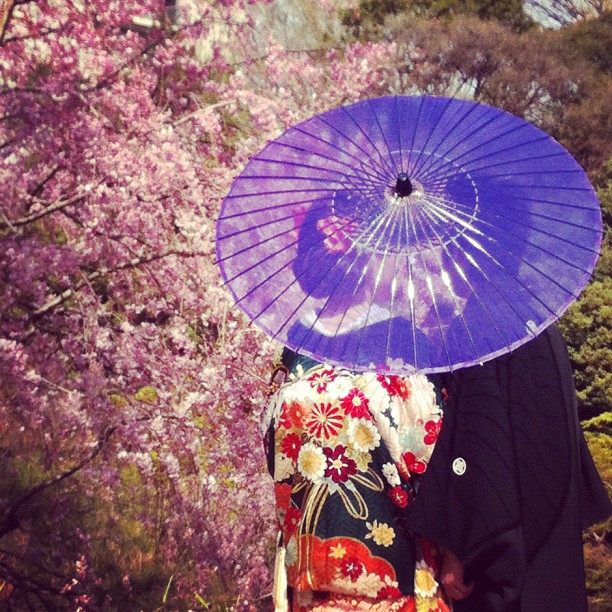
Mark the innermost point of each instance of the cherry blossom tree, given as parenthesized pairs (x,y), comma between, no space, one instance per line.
(131,468)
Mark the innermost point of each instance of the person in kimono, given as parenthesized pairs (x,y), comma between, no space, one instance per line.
(512,484)
(347,452)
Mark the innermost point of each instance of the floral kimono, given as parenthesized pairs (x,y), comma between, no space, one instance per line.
(346,452)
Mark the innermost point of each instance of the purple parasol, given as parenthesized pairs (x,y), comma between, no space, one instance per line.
(405,234)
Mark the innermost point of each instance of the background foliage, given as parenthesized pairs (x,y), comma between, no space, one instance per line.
(131,472)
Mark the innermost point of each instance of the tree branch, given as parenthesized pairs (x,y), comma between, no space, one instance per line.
(10,521)
(38,189)
(43,213)
(133,263)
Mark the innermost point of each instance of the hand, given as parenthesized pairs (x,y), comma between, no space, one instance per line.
(452,579)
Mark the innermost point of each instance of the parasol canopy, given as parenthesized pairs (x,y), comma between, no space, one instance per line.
(404,234)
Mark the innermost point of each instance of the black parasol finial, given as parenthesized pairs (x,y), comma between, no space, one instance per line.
(403,187)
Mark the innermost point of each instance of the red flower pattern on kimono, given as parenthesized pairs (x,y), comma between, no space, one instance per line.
(433,431)
(292,415)
(399,497)
(352,567)
(292,520)
(282,493)
(339,466)
(291,445)
(320,380)
(413,464)
(395,385)
(355,405)
(325,420)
